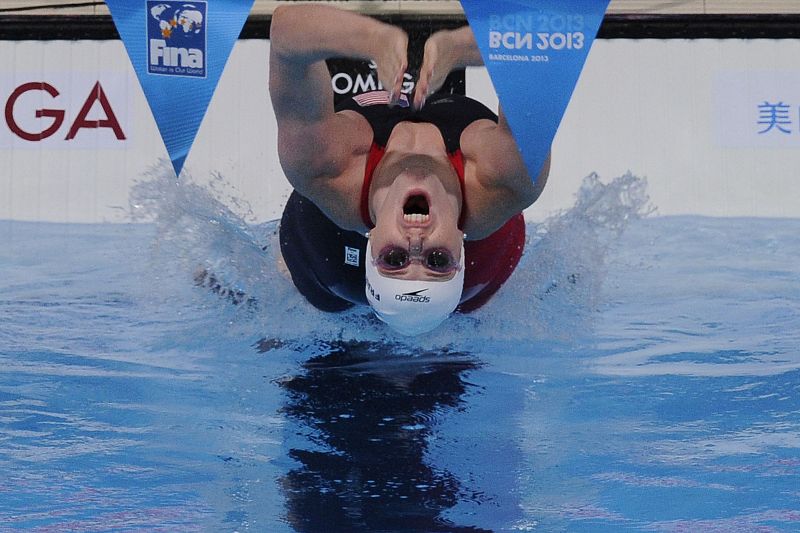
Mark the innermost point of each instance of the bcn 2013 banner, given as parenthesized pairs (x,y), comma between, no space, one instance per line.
(534,52)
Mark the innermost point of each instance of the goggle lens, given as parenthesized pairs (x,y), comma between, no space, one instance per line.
(396,258)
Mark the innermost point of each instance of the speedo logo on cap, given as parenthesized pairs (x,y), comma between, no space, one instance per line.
(413,297)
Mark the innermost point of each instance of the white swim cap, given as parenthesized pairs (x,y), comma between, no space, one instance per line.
(412,307)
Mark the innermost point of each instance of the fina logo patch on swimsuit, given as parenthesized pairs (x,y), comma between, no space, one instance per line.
(351,256)
(176,38)
(378,98)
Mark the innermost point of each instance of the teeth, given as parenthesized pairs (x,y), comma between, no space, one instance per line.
(416,218)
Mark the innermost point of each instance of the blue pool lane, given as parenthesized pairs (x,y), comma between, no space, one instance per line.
(642,381)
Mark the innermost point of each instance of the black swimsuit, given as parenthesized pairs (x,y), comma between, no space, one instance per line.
(450,113)
(326,261)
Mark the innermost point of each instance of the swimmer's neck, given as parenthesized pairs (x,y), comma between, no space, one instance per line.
(418,138)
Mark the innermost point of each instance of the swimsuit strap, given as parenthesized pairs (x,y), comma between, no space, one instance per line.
(376,153)
(457,160)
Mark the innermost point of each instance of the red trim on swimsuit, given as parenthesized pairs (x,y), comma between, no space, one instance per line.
(376,153)
(490,261)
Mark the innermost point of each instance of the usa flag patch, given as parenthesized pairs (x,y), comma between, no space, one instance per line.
(378,98)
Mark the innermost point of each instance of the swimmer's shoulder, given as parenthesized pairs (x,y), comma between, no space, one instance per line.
(335,180)
(497,184)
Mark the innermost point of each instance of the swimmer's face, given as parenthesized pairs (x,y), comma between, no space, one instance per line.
(416,233)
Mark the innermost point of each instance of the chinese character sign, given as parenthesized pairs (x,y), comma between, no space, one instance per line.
(759,109)
(775,117)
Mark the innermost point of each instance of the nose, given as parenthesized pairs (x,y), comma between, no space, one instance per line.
(415,244)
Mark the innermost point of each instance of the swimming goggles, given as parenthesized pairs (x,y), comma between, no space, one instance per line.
(439,260)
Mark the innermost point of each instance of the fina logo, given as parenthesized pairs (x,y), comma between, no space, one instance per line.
(176,38)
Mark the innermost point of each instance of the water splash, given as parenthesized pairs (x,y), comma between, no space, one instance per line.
(555,291)
(200,240)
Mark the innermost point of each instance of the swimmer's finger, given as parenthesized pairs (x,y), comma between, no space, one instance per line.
(397,86)
(394,96)
(423,88)
(432,66)
(392,60)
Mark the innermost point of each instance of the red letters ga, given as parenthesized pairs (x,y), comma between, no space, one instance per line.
(95,95)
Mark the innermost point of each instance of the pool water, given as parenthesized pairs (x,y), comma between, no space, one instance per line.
(637,373)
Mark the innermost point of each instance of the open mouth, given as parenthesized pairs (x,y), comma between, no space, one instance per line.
(416,210)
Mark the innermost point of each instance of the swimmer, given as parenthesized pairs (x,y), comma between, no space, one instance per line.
(412,206)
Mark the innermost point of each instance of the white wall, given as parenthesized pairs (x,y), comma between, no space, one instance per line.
(88,180)
(682,113)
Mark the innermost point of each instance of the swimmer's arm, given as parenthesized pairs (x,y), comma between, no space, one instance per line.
(501,184)
(313,141)
(516,175)
(499,161)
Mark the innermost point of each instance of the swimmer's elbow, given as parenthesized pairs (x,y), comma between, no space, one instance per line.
(276,27)
(540,182)
(528,190)
(283,28)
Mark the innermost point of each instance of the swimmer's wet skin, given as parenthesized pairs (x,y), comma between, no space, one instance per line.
(414,173)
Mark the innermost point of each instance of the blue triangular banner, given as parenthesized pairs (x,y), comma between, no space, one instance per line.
(179,50)
(534,51)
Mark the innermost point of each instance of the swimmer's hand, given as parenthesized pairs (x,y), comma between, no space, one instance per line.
(391,57)
(445,51)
